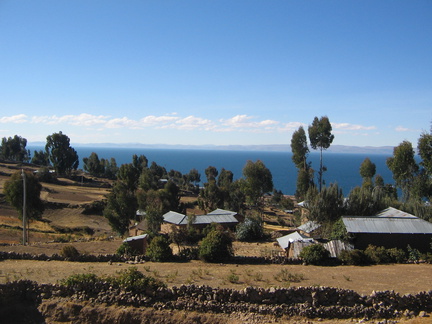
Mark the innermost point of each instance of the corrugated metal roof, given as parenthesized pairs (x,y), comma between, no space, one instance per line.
(175,218)
(220,219)
(286,240)
(222,212)
(133,238)
(219,216)
(309,227)
(392,225)
(393,212)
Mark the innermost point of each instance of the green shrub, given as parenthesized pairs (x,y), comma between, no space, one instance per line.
(69,251)
(314,254)
(216,246)
(353,257)
(189,254)
(251,229)
(397,255)
(80,281)
(159,250)
(285,275)
(129,279)
(233,278)
(135,281)
(414,255)
(377,254)
(126,249)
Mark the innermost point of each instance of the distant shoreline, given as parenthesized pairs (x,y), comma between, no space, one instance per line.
(270,147)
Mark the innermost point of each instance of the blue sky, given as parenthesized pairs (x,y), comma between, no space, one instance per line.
(215,72)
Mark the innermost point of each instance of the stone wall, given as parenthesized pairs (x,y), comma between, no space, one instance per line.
(58,257)
(311,302)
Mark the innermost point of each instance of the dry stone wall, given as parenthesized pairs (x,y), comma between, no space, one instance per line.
(311,302)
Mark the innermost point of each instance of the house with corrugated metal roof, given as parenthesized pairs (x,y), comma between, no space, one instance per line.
(390,228)
(226,218)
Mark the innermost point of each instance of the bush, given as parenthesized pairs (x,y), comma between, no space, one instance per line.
(250,230)
(135,281)
(233,278)
(216,247)
(414,255)
(377,254)
(129,279)
(397,255)
(353,257)
(126,249)
(69,251)
(372,255)
(314,254)
(44,175)
(80,281)
(189,254)
(159,250)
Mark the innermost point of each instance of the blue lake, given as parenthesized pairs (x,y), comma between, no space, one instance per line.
(343,168)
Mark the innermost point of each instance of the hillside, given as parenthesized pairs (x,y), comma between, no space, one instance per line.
(67,209)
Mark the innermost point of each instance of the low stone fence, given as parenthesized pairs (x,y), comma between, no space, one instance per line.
(311,302)
(58,257)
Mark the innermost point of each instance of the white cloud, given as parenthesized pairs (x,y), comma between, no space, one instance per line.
(246,123)
(291,126)
(157,120)
(192,122)
(404,129)
(76,120)
(16,119)
(123,122)
(347,126)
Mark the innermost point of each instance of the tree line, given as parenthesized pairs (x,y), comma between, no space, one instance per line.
(326,204)
(138,185)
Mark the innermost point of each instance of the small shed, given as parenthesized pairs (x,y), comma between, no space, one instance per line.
(390,228)
(293,243)
(139,243)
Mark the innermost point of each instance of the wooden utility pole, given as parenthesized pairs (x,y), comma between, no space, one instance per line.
(24,208)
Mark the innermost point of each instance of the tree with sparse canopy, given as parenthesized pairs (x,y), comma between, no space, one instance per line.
(404,167)
(367,171)
(258,180)
(63,157)
(14,149)
(40,158)
(14,189)
(300,151)
(93,165)
(320,137)
(121,207)
(326,205)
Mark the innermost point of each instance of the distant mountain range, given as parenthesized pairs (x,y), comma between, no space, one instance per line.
(270,147)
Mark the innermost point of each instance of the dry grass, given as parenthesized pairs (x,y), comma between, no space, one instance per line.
(360,279)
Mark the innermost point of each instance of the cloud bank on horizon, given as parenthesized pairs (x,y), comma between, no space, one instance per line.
(198,72)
